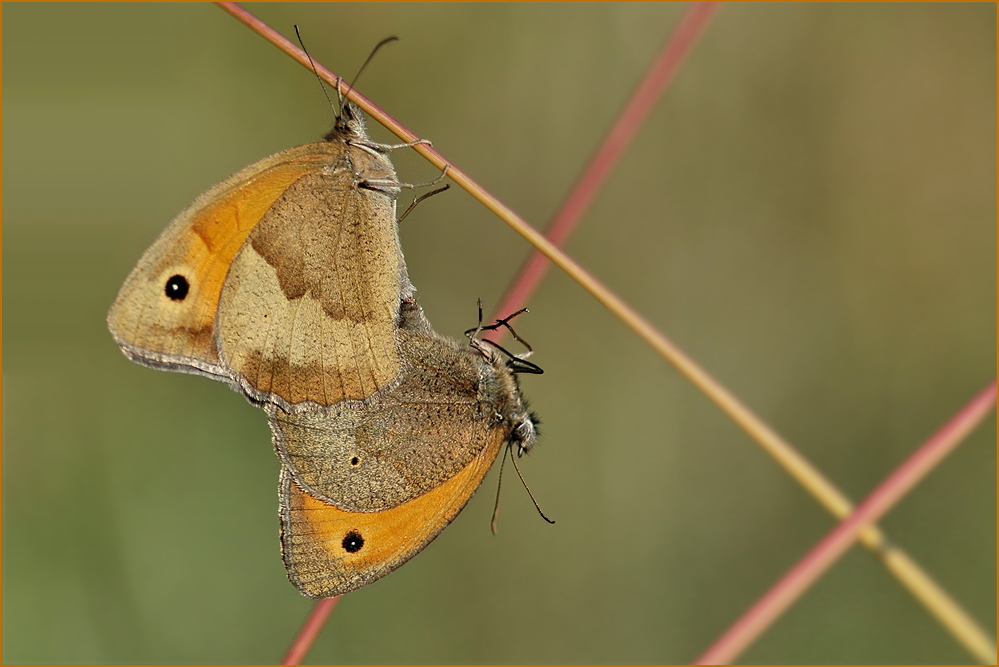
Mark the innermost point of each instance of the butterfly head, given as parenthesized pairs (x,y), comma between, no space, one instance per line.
(525,434)
(349,124)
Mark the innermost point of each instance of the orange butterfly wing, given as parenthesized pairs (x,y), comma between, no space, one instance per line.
(283,280)
(328,551)
(199,245)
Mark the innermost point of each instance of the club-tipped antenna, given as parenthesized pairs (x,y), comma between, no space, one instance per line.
(322,84)
(499,484)
(378,46)
(339,79)
(516,467)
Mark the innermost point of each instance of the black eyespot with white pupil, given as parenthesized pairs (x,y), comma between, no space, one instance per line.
(177,287)
(352,542)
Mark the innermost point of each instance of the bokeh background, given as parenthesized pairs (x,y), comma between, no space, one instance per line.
(809,212)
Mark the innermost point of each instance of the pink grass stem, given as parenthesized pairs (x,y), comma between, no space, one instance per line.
(310,630)
(656,80)
(623,132)
(797,580)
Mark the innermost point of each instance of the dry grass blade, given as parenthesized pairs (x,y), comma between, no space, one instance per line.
(606,157)
(799,578)
(310,630)
(940,604)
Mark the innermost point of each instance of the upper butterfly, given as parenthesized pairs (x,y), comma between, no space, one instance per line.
(284,280)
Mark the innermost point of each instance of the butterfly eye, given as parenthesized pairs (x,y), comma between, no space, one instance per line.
(177,287)
(352,542)
(354,461)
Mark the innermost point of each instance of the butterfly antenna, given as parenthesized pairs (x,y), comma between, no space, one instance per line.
(536,506)
(499,485)
(322,84)
(375,50)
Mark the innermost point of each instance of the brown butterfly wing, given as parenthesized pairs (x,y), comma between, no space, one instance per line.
(366,485)
(366,456)
(309,310)
(328,551)
(290,276)
(148,321)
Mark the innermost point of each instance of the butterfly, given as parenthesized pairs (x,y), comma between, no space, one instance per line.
(287,281)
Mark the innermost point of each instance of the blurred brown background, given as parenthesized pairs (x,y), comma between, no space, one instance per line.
(810,213)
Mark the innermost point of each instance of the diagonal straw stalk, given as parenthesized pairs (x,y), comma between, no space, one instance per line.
(939,603)
(807,571)
(618,139)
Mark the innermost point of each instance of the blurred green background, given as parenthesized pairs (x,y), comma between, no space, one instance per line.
(809,212)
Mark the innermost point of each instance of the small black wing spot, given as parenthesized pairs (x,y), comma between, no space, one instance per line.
(177,287)
(352,542)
